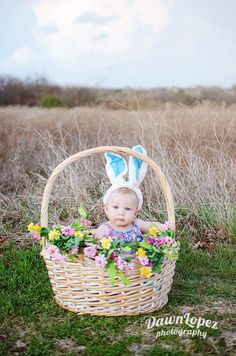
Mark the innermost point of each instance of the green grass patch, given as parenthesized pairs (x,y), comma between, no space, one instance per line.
(28,312)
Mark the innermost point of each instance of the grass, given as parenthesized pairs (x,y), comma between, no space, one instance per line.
(194,146)
(42,327)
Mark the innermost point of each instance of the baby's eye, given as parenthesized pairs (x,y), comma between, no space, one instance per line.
(115,206)
(128,209)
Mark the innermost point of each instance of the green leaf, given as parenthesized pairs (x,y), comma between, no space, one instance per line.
(82,213)
(126,248)
(77,240)
(171,248)
(145,244)
(112,271)
(110,252)
(171,256)
(123,278)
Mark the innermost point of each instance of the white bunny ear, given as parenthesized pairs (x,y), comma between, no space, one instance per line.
(137,167)
(116,167)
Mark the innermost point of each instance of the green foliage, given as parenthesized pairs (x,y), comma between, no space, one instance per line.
(28,308)
(51,101)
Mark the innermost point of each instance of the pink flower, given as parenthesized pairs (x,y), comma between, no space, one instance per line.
(100,260)
(68,231)
(151,240)
(59,256)
(86,222)
(74,251)
(164,240)
(123,265)
(90,251)
(113,255)
(55,253)
(144,261)
(36,236)
(52,250)
(168,225)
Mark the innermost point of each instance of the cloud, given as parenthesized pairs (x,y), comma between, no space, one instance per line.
(92,17)
(96,27)
(20,57)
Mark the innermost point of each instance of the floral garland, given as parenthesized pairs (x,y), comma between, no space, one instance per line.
(67,243)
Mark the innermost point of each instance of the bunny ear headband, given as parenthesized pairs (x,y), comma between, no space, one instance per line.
(116,168)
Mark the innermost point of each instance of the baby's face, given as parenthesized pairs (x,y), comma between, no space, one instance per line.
(121,208)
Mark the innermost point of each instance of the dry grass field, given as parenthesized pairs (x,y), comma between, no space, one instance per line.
(195,148)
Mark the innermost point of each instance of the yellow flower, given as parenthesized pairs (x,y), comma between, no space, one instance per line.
(141,252)
(106,242)
(146,271)
(54,235)
(38,228)
(153,230)
(79,233)
(31,227)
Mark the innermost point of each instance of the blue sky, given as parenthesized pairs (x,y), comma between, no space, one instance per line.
(120,43)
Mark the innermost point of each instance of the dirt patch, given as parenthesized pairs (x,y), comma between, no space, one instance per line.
(68,345)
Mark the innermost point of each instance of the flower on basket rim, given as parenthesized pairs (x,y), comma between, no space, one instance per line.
(36,236)
(74,251)
(30,227)
(144,261)
(154,230)
(86,222)
(141,252)
(79,233)
(37,228)
(60,257)
(68,231)
(54,235)
(146,271)
(124,265)
(163,240)
(52,250)
(90,251)
(106,242)
(169,225)
(100,260)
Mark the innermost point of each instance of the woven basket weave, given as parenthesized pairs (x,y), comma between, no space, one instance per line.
(83,287)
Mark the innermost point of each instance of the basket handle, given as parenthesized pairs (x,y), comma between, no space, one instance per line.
(103,149)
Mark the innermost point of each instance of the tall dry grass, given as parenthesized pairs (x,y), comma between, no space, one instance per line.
(195,147)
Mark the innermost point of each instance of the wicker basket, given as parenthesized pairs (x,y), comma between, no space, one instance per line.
(83,287)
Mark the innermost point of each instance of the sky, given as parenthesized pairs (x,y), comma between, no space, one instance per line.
(120,43)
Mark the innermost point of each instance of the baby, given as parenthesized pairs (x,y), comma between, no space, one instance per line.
(123,200)
(121,210)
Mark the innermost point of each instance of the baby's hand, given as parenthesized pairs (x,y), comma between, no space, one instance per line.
(100,232)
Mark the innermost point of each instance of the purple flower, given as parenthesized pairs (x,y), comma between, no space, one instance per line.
(123,265)
(100,260)
(151,240)
(144,261)
(90,251)
(68,231)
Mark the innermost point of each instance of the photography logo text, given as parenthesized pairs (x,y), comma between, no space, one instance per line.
(193,322)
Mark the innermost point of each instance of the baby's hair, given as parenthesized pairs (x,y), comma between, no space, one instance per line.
(125,190)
